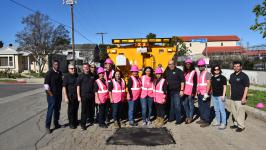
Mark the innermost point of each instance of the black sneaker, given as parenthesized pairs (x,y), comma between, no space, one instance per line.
(72,127)
(240,129)
(83,128)
(48,131)
(57,126)
(200,122)
(103,126)
(233,127)
(205,124)
(133,124)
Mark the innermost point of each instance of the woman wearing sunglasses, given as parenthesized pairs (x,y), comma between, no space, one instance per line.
(218,85)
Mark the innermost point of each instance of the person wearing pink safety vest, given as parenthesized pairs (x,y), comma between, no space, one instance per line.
(146,97)
(108,75)
(101,95)
(160,91)
(134,91)
(117,94)
(190,89)
(203,89)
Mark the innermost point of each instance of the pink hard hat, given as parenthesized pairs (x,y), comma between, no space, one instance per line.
(201,62)
(260,105)
(134,68)
(100,70)
(159,71)
(108,61)
(188,61)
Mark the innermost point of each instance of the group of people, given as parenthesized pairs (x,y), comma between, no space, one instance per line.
(158,93)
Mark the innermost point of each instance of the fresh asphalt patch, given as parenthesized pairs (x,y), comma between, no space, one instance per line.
(141,137)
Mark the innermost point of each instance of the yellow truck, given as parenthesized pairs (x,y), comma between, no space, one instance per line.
(142,52)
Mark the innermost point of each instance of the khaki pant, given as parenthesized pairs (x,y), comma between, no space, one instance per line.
(238,112)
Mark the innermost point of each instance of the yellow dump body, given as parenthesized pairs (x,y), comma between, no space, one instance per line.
(142,54)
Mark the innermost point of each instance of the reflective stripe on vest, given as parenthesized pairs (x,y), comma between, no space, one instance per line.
(189,80)
(143,84)
(110,75)
(160,90)
(115,84)
(136,86)
(101,87)
(202,78)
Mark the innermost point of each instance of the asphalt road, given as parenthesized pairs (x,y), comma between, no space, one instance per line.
(22,128)
(11,89)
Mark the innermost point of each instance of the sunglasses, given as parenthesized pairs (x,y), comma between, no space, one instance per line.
(72,68)
(217,69)
(201,66)
(93,67)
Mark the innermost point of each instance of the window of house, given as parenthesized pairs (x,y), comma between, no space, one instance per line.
(190,44)
(10,61)
(3,61)
(206,44)
(222,44)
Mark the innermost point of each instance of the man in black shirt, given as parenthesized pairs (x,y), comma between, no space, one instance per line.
(175,87)
(239,84)
(70,95)
(85,91)
(53,88)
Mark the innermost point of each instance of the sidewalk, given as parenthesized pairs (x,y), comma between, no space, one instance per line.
(22,80)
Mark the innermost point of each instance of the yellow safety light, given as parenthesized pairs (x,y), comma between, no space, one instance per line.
(113,51)
(169,50)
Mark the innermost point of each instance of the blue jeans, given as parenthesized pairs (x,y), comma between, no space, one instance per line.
(220,114)
(116,111)
(175,108)
(146,103)
(131,110)
(54,106)
(188,104)
(204,108)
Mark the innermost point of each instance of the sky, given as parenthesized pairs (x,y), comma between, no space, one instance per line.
(137,18)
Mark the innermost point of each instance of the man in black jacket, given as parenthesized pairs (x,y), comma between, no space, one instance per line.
(175,88)
(85,91)
(53,88)
(70,95)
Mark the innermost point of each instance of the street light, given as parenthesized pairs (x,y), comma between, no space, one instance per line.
(71,3)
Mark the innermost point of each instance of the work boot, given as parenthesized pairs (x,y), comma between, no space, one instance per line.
(161,122)
(189,120)
(156,122)
(116,124)
(200,121)
(186,121)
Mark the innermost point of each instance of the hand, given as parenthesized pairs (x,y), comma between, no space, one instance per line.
(243,101)
(206,95)
(111,100)
(222,98)
(66,100)
(79,99)
(181,93)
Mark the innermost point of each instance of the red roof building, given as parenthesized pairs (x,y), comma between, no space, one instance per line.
(223,50)
(211,38)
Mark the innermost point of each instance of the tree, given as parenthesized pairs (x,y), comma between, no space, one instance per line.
(40,38)
(151,36)
(260,20)
(1,44)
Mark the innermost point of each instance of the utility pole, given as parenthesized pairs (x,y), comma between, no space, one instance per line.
(71,3)
(101,33)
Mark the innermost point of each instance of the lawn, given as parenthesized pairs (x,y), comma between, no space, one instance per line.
(254,97)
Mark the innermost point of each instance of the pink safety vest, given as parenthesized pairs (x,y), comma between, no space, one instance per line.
(147,87)
(118,92)
(159,96)
(109,77)
(202,83)
(136,88)
(189,82)
(102,92)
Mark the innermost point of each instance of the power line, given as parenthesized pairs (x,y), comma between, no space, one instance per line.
(53,20)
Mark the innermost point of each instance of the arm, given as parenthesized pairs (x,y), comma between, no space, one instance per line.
(224,92)
(78,88)
(65,94)
(194,89)
(247,83)
(129,86)
(182,83)
(47,83)
(97,101)
(110,88)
